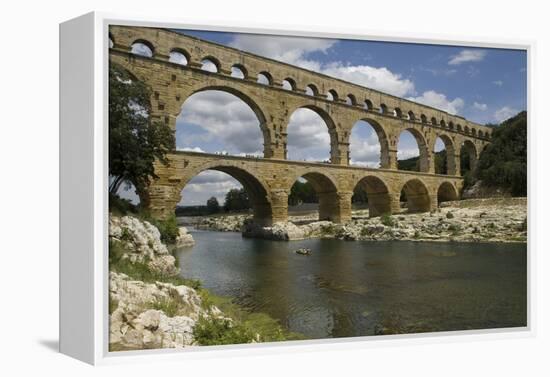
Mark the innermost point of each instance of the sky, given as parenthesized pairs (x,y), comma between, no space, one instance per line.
(482,84)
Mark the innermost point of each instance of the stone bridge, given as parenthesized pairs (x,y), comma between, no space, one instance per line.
(274,90)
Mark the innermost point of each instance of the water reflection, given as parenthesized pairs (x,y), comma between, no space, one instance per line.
(365,288)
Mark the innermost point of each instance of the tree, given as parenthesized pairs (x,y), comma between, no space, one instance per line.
(503,163)
(212,205)
(135,142)
(236,200)
(302,192)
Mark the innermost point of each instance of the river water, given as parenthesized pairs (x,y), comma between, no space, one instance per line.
(355,288)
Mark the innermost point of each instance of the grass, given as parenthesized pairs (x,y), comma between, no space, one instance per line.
(171,306)
(209,331)
(263,327)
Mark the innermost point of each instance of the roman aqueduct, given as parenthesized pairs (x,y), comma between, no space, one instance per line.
(283,89)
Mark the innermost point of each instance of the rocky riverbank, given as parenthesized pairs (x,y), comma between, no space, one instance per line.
(474,220)
(151,306)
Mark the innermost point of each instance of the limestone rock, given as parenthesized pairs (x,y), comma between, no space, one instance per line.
(184,239)
(135,324)
(142,242)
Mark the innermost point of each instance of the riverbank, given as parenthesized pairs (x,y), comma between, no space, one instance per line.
(472,220)
(151,306)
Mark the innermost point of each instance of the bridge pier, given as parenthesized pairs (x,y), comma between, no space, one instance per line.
(279,206)
(380,203)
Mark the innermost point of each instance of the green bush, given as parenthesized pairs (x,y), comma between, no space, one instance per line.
(388,220)
(450,215)
(168,228)
(210,331)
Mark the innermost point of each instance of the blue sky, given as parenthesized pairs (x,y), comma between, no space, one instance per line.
(484,85)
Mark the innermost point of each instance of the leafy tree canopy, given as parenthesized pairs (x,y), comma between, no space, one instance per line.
(134,141)
(503,163)
(236,200)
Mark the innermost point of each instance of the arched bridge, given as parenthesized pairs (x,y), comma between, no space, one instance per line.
(283,89)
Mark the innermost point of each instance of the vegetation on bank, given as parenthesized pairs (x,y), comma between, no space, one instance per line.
(503,163)
(238,325)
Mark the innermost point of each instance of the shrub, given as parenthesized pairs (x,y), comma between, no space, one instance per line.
(210,331)
(450,215)
(168,228)
(387,220)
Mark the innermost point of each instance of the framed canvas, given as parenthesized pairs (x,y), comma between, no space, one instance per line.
(242,190)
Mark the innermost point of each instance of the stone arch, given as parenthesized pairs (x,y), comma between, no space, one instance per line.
(312,90)
(383,109)
(326,188)
(451,126)
(378,196)
(252,103)
(329,122)
(417,195)
(256,188)
(368,105)
(383,140)
(424,161)
(446,192)
(351,100)
(265,78)
(423,119)
(450,153)
(458,128)
(145,43)
(213,60)
(290,84)
(176,54)
(468,148)
(332,95)
(397,113)
(411,116)
(442,123)
(434,121)
(239,71)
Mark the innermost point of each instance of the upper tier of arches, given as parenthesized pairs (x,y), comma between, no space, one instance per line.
(193,52)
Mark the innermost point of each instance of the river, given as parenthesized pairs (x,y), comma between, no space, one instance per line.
(355,288)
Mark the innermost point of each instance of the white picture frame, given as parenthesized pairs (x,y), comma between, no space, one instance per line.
(84,207)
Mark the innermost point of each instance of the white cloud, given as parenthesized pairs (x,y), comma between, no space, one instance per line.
(376,78)
(403,154)
(480,106)
(286,49)
(225,120)
(440,101)
(193,149)
(465,56)
(293,50)
(364,146)
(504,113)
(498,82)
(308,137)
